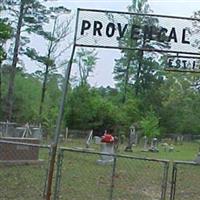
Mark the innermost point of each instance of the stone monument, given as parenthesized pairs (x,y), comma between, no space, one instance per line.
(154,145)
(106,148)
(132,138)
(145,143)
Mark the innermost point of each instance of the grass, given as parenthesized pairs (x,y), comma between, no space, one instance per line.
(23,182)
(187,151)
(83,179)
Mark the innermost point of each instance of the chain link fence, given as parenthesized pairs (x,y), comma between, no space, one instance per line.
(185,181)
(23,170)
(81,176)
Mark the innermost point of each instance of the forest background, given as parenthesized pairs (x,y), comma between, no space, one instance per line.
(155,101)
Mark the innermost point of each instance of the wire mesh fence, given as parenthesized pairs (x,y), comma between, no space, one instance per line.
(126,177)
(23,170)
(185,181)
(80,175)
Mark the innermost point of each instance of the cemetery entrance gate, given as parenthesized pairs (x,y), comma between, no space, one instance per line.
(174,39)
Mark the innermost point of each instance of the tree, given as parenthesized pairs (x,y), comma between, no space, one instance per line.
(150,125)
(30,15)
(180,104)
(5,34)
(52,99)
(86,60)
(26,95)
(54,38)
(91,111)
(137,70)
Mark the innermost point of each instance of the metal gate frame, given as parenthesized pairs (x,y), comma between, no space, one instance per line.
(112,184)
(67,76)
(174,175)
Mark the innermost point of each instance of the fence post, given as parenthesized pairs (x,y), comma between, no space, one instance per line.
(164,180)
(46,178)
(58,174)
(113,178)
(173,183)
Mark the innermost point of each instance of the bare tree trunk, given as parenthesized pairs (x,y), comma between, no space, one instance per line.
(44,86)
(137,83)
(9,102)
(126,80)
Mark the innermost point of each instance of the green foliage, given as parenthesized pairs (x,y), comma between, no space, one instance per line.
(5,33)
(129,112)
(86,61)
(141,83)
(26,98)
(87,109)
(180,104)
(5,30)
(150,125)
(136,71)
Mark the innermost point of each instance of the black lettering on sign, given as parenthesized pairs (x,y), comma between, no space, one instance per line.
(184,41)
(178,63)
(172,35)
(121,30)
(85,26)
(184,64)
(194,64)
(170,61)
(110,29)
(97,28)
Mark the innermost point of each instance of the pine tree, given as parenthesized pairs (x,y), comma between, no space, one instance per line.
(25,16)
(136,69)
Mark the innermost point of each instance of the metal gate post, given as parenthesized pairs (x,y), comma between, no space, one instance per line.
(58,174)
(113,178)
(46,177)
(164,181)
(173,183)
(60,117)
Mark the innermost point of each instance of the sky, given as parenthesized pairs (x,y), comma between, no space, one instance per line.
(102,75)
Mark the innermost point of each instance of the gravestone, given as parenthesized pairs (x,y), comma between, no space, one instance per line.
(154,145)
(165,147)
(145,143)
(106,148)
(89,139)
(37,133)
(132,139)
(19,152)
(168,147)
(97,140)
(197,159)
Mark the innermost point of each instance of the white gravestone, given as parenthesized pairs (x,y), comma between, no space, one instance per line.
(154,145)
(107,148)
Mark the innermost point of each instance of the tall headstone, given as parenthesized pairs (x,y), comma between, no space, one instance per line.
(132,137)
(89,139)
(197,159)
(107,147)
(145,143)
(154,145)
